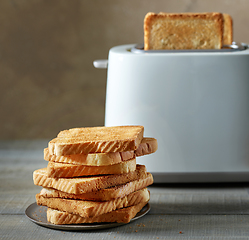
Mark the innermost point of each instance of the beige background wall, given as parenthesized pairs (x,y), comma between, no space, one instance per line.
(47,80)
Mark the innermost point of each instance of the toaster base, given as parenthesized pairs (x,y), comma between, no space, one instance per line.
(200,177)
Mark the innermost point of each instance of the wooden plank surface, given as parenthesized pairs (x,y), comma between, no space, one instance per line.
(199,211)
(149,227)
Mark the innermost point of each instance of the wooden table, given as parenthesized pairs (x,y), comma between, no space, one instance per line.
(217,211)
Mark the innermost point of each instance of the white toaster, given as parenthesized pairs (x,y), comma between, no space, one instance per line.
(194,102)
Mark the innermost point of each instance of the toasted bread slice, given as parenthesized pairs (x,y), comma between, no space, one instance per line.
(183,31)
(228,29)
(92,208)
(106,194)
(147,146)
(86,184)
(123,215)
(67,170)
(96,140)
(92,159)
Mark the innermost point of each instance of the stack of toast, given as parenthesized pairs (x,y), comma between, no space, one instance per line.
(92,175)
(187,30)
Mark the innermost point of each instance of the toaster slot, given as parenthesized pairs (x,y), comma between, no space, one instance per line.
(139,48)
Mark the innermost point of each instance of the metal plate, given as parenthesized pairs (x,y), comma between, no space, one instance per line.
(38,215)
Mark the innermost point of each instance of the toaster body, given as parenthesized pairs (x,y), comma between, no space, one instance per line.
(195,103)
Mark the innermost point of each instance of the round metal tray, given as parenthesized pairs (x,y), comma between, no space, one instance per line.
(38,215)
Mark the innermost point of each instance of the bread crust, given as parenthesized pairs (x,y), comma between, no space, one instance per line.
(147,146)
(183,31)
(228,29)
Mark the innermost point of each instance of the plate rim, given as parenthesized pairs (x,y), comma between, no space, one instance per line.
(79,227)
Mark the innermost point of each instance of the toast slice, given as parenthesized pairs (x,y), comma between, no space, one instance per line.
(147,146)
(92,159)
(106,194)
(96,140)
(228,29)
(86,184)
(67,170)
(183,31)
(123,215)
(92,208)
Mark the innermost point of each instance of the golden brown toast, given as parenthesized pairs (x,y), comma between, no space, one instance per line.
(67,170)
(147,146)
(114,132)
(92,208)
(96,140)
(183,31)
(106,194)
(92,159)
(228,29)
(86,184)
(123,215)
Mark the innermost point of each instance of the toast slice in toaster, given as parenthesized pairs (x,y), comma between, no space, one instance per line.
(86,184)
(123,215)
(183,31)
(228,29)
(96,140)
(106,194)
(92,208)
(147,146)
(67,170)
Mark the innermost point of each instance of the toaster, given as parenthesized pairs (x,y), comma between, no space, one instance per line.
(194,102)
